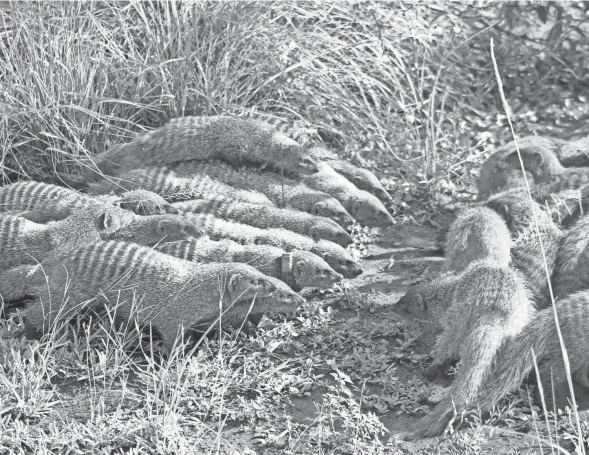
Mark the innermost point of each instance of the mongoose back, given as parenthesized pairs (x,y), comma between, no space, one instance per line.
(305,268)
(282,192)
(174,187)
(235,140)
(540,338)
(24,241)
(518,211)
(502,172)
(363,206)
(265,217)
(145,203)
(477,234)
(336,256)
(489,306)
(173,294)
(571,273)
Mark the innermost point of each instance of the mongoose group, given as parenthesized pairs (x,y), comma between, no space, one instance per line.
(504,254)
(196,212)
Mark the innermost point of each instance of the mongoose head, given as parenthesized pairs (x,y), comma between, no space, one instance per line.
(245,282)
(540,161)
(110,219)
(283,299)
(309,270)
(368,210)
(413,303)
(292,156)
(143,202)
(331,208)
(338,258)
(154,229)
(330,230)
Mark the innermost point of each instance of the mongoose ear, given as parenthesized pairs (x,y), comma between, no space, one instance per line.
(232,284)
(356,208)
(108,221)
(422,303)
(539,159)
(313,233)
(503,210)
(161,227)
(171,210)
(316,209)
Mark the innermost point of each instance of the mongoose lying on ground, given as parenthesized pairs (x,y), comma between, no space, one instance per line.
(264,217)
(478,233)
(571,272)
(540,338)
(174,187)
(502,171)
(167,292)
(518,211)
(154,229)
(490,304)
(304,269)
(363,206)
(337,257)
(235,140)
(51,202)
(26,242)
(282,192)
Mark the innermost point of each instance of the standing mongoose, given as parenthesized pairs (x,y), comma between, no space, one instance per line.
(265,217)
(23,241)
(521,215)
(502,172)
(539,339)
(571,272)
(477,234)
(490,305)
(170,293)
(363,206)
(303,268)
(235,140)
(281,191)
(174,187)
(336,256)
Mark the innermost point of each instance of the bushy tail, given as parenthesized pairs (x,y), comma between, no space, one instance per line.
(18,282)
(515,360)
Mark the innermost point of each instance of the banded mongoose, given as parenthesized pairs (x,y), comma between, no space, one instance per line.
(336,256)
(490,305)
(571,273)
(307,136)
(235,140)
(155,229)
(540,339)
(502,171)
(303,268)
(167,292)
(477,234)
(174,187)
(24,241)
(56,202)
(265,217)
(363,206)
(521,214)
(283,192)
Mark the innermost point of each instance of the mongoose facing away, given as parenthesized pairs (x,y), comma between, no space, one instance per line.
(304,268)
(336,256)
(154,229)
(363,206)
(502,171)
(283,192)
(477,234)
(174,187)
(172,294)
(234,140)
(571,272)
(540,337)
(25,242)
(489,306)
(517,210)
(265,217)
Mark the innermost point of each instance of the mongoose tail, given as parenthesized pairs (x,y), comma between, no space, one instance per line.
(234,140)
